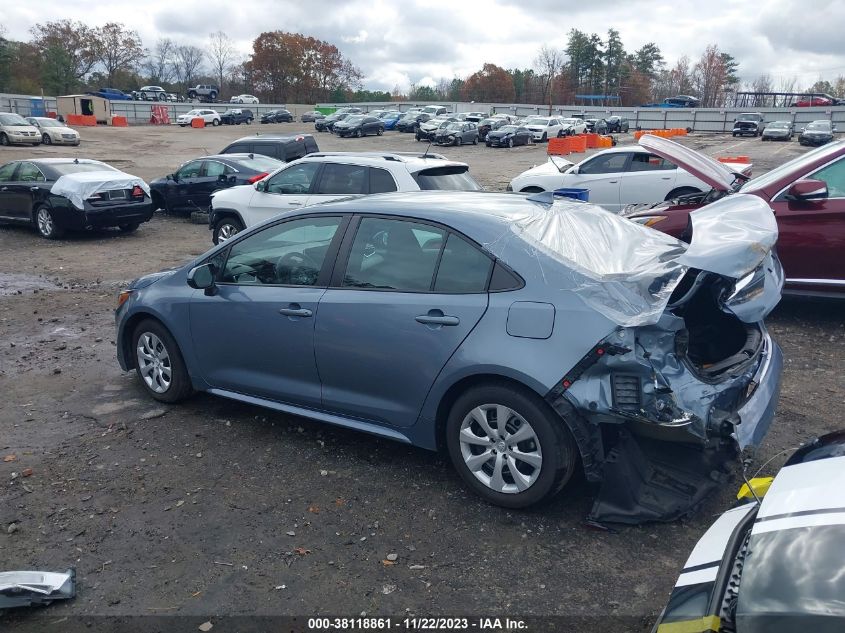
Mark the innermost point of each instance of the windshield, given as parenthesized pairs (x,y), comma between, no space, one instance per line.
(77,168)
(450,178)
(536,120)
(49,123)
(749,117)
(411,116)
(819,126)
(571,121)
(795,165)
(193,112)
(353,119)
(508,128)
(453,126)
(779,125)
(14,120)
(259,163)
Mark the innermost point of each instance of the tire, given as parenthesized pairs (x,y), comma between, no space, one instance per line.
(45,138)
(159,202)
(680,191)
(182,124)
(129,227)
(162,96)
(212,95)
(225,228)
(359,133)
(733,134)
(215,122)
(544,138)
(159,363)
(459,140)
(379,131)
(4,140)
(543,439)
(560,134)
(46,224)
(475,140)
(510,142)
(249,121)
(417,136)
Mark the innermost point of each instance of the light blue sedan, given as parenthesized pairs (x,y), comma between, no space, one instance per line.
(528,337)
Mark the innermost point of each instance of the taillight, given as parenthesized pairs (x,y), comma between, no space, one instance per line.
(137,192)
(256,178)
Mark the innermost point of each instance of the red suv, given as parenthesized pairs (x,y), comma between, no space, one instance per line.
(807,195)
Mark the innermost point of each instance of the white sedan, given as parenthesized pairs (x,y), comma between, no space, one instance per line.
(544,127)
(53,132)
(574,126)
(211,117)
(245,99)
(617,177)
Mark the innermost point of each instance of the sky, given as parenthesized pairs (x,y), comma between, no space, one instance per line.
(405,42)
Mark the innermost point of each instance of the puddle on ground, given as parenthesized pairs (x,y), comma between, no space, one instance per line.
(12,283)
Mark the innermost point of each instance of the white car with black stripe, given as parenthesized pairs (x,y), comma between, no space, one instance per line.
(777,563)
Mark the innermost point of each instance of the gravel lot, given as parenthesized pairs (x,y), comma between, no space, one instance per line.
(218,508)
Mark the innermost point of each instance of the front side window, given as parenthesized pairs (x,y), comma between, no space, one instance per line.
(293,180)
(393,255)
(191,170)
(834,176)
(289,254)
(607,164)
(343,179)
(649,162)
(7,171)
(30,173)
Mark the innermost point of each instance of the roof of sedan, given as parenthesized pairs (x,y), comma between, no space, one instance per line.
(59,161)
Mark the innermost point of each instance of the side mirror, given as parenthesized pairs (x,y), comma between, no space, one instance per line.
(261,186)
(172,177)
(807,189)
(202,278)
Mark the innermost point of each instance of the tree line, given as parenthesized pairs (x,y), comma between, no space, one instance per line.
(67,56)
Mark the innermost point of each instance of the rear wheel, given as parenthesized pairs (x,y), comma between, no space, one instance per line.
(509,446)
(46,224)
(159,363)
(475,140)
(380,131)
(226,228)
(4,140)
(510,142)
(215,122)
(129,227)
(162,96)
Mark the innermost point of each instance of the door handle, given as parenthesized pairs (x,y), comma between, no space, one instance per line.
(666,178)
(295,310)
(436,317)
(612,182)
(33,189)
(4,189)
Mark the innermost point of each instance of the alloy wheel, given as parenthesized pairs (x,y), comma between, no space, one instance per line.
(154,362)
(227,231)
(500,448)
(45,222)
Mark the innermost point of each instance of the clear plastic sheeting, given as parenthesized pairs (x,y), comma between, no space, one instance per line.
(731,236)
(625,271)
(80,186)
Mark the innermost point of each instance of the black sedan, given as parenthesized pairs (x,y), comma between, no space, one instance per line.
(411,121)
(358,125)
(817,133)
(457,133)
(596,126)
(509,135)
(617,124)
(56,195)
(189,188)
(486,125)
(277,116)
(326,124)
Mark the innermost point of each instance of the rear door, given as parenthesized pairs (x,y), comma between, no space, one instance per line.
(811,241)
(287,190)
(404,296)
(338,180)
(183,187)
(649,178)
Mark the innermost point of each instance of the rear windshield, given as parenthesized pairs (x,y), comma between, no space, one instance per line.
(259,162)
(77,168)
(451,178)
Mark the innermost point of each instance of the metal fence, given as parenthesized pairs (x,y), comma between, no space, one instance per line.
(697,119)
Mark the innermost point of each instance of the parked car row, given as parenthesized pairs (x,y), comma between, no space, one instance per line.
(16,130)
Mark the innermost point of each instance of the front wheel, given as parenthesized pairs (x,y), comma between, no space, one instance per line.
(162,97)
(46,224)
(159,363)
(129,227)
(475,140)
(510,142)
(379,131)
(509,446)
(4,140)
(226,228)
(544,138)
(45,138)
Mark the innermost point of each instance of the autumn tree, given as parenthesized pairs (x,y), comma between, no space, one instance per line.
(549,62)
(118,48)
(221,52)
(491,84)
(69,51)
(710,77)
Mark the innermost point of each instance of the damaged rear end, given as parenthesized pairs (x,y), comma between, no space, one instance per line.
(690,377)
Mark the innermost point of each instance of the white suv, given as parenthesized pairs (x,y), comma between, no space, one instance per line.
(544,127)
(327,176)
(211,117)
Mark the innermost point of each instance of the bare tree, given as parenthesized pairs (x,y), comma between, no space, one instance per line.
(549,63)
(763,83)
(159,63)
(221,52)
(186,64)
(118,48)
(789,84)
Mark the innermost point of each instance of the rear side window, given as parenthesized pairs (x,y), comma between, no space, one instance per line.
(343,179)
(270,149)
(451,178)
(238,148)
(463,267)
(649,162)
(381,181)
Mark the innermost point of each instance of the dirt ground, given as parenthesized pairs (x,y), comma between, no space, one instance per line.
(216,508)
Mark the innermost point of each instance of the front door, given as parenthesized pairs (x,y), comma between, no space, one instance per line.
(21,191)
(388,325)
(602,175)
(287,190)
(181,188)
(7,192)
(255,336)
(811,240)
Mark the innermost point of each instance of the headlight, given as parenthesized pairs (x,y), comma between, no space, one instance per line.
(123,297)
(649,220)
